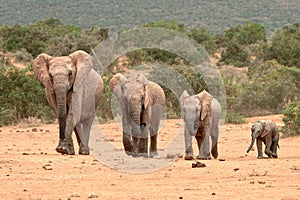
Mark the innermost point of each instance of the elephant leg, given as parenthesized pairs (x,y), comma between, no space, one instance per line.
(135,143)
(214,150)
(259,148)
(274,148)
(153,146)
(268,148)
(126,137)
(83,130)
(143,141)
(65,145)
(154,126)
(214,141)
(204,149)
(189,154)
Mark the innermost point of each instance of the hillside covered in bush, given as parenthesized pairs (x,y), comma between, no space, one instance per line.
(117,14)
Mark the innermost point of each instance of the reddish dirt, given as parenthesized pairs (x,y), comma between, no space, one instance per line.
(30,168)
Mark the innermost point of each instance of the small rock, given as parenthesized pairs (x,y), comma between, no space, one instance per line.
(251,182)
(47,167)
(180,197)
(213,193)
(198,165)
(236,169)
(34,130)
(75,195)
(25,153)
(222,159)
(92,195)
(261,182)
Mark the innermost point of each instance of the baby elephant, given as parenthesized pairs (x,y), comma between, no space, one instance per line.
(265,131)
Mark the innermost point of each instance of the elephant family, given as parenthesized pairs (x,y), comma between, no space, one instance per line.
(201,115)
(142,103)
(73,90)
(265,131)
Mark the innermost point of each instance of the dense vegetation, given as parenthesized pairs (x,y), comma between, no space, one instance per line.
(271,83)
(117,15)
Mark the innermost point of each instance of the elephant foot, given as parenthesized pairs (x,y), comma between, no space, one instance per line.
(83,151)
(203,158)
(65,147)
(188,157)
(259,157)
(153,154)
(274,155)
(145,155)
(214,153)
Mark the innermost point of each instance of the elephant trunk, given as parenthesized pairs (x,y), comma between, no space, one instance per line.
(60,93)
(136,118)
(192,128)
(252,143)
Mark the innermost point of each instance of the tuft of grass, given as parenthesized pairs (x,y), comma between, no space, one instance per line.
(235,118)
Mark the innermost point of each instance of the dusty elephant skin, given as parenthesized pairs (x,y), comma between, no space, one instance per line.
(201,117)
(142,103)
(73,90)
(265,131)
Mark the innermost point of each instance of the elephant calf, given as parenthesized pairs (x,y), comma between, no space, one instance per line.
(265,131)
(201,114)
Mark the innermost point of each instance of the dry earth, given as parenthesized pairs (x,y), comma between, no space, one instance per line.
(30,168)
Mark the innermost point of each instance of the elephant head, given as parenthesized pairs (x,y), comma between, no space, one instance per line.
(61,76)
(259,129)
(196,109)
(133,94)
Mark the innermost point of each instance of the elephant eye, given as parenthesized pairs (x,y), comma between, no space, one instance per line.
(70,74)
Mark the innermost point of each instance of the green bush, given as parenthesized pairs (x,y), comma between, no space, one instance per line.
(291,120)
(235,118)
(270,88)
(22,96)
(285,46)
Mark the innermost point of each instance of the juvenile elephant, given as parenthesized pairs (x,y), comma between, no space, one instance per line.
(201,115)
(265,131)
(73,90)
(142,103)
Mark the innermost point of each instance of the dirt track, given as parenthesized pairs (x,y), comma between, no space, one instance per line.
(31,169)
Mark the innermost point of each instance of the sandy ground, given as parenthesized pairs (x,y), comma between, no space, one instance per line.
(30,168)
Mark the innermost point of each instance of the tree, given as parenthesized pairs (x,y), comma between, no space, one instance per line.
(285,46)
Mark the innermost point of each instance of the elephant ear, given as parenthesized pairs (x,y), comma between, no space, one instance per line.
(41,69)
(83,63)
(115,84)
(267,128)
(205,101)
(183,96)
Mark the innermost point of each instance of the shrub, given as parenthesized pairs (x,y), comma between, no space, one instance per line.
(22,96)
(285,46)
(235,118)
(291,120)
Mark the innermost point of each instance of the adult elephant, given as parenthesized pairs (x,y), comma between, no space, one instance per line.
(265,131)
(142,103)
(201,115)
(73,90)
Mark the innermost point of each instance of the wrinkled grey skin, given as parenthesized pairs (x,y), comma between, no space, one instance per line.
(202,126)
(142,103)
(265,131)
(73,90)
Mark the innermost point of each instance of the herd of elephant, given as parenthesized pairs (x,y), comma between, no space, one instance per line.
(73,90)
